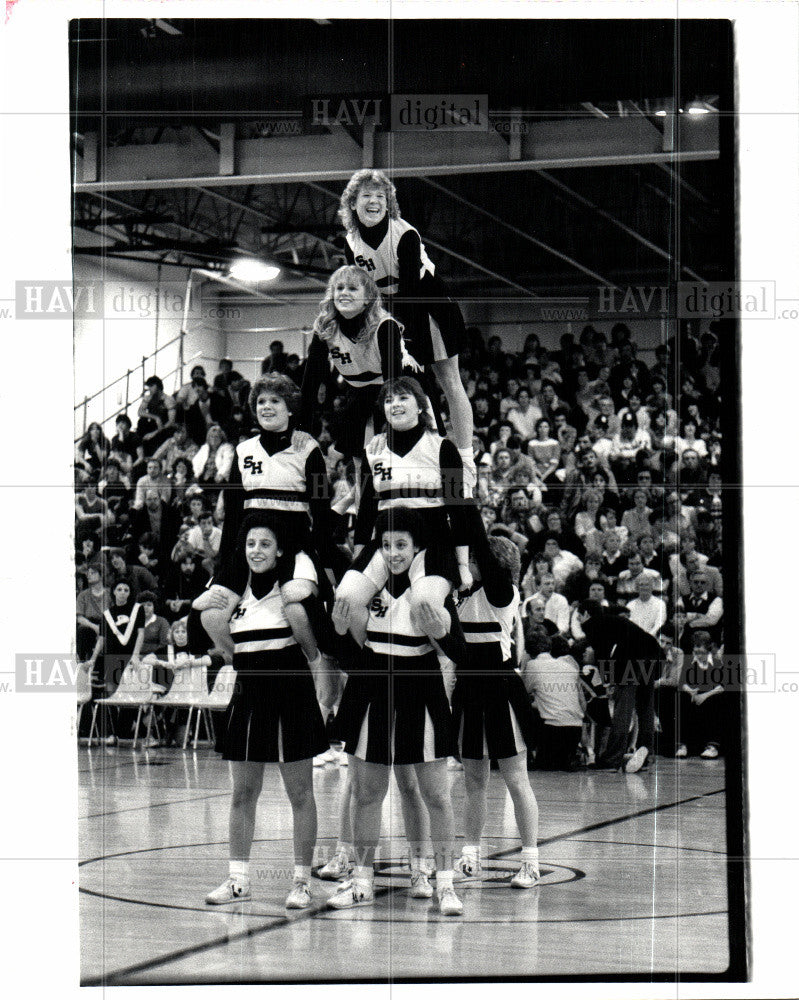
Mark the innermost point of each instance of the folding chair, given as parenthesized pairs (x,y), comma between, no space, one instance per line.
(134,691)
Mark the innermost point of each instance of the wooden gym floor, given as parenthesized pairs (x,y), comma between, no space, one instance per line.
(634,881)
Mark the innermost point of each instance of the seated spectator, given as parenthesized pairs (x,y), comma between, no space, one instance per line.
(91,604)
(116,491)
(483,414)
(585,521)
(87,555)
(204,540)
(613,560)
(137,577)
(126,445)
(596,590)
(503,476)
(556,608)
(554,685)
(501,432)
(92,451)
(701,713)
(156,628)
(565,564)
(688,439)
(91,511)
(646,611)
(178,446)
(638,411)
(511,397)
(213,461)
(703,610)
(533,614)
(187,396)
(186,581)
(636,519)
(627,584)
(276,360)
(525,414)
(592,573)
(154,479)
(544,451)
(148,554)
(158,519)
(611,424)
(182,479)
(157,413)
(524,471)
(628,443)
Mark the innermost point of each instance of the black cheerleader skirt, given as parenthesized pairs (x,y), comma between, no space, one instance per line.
(389,716)
(492,713)
(273,716)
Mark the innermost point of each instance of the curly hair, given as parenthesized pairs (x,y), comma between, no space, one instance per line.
(359,180)
(326,324)
(280,385)
(507,555)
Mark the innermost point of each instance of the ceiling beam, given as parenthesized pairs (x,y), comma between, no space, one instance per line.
(565,144)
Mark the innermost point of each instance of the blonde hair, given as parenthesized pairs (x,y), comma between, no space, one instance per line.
(326,324)
(359,180)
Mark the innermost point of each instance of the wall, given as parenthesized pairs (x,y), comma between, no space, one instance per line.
(133,313)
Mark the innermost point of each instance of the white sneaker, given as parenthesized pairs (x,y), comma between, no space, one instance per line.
(352,894)
(233,890)
(637,761)
(468,869)
(448,903)
(300,896)
(338,867)
(681,751)
(320,760)
(420,886)
(710,752)
(527,876)
(453,764)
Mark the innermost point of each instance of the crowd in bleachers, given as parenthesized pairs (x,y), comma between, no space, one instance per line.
(603,468)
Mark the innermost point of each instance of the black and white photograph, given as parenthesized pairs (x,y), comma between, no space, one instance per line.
(417,537)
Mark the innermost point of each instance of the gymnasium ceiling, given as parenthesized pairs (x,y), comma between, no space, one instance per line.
(193,141)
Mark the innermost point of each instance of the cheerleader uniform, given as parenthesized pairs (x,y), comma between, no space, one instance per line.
(273,715)
(394,709)
(421,470)
(492,712)
(268,473)
(364,365)
(394,256)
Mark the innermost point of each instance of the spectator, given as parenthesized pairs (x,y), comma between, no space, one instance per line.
(154,479)
(156,415)
(209,408)
(276,361)
(158,519)
(525,415)
(627,584)
(187,396)
(137,577)
(701,714)
(556,606)
(646,611)
(564,564)
(204,540)
(612,557)
(91,604)
(544,451)
(636,519)
(156,628)
(554,684)
(178,446)
(226,376)
(688,439)
(91,511)
(185,583)
(703,611)
(628,443)
(214,459)
(126,446)
(182,480)
(92,450)
(534,616)
(667,691)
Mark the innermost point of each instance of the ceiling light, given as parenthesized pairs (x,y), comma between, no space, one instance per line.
(253,271)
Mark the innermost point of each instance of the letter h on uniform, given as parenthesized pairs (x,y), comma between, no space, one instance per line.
(384,471)
(255,467)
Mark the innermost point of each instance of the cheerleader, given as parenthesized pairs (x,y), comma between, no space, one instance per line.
(364,344)
(395,711)
(413,466)
(273,716)
(382,243)
(491,709)
(280,470)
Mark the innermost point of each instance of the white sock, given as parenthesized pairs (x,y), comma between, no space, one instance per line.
(416,863)
(530,854)
(240,870)
(344,848)
(471,851)
(363,873)
(444,880)
(302,873)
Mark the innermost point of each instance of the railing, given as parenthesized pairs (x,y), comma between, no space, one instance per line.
(139,370)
